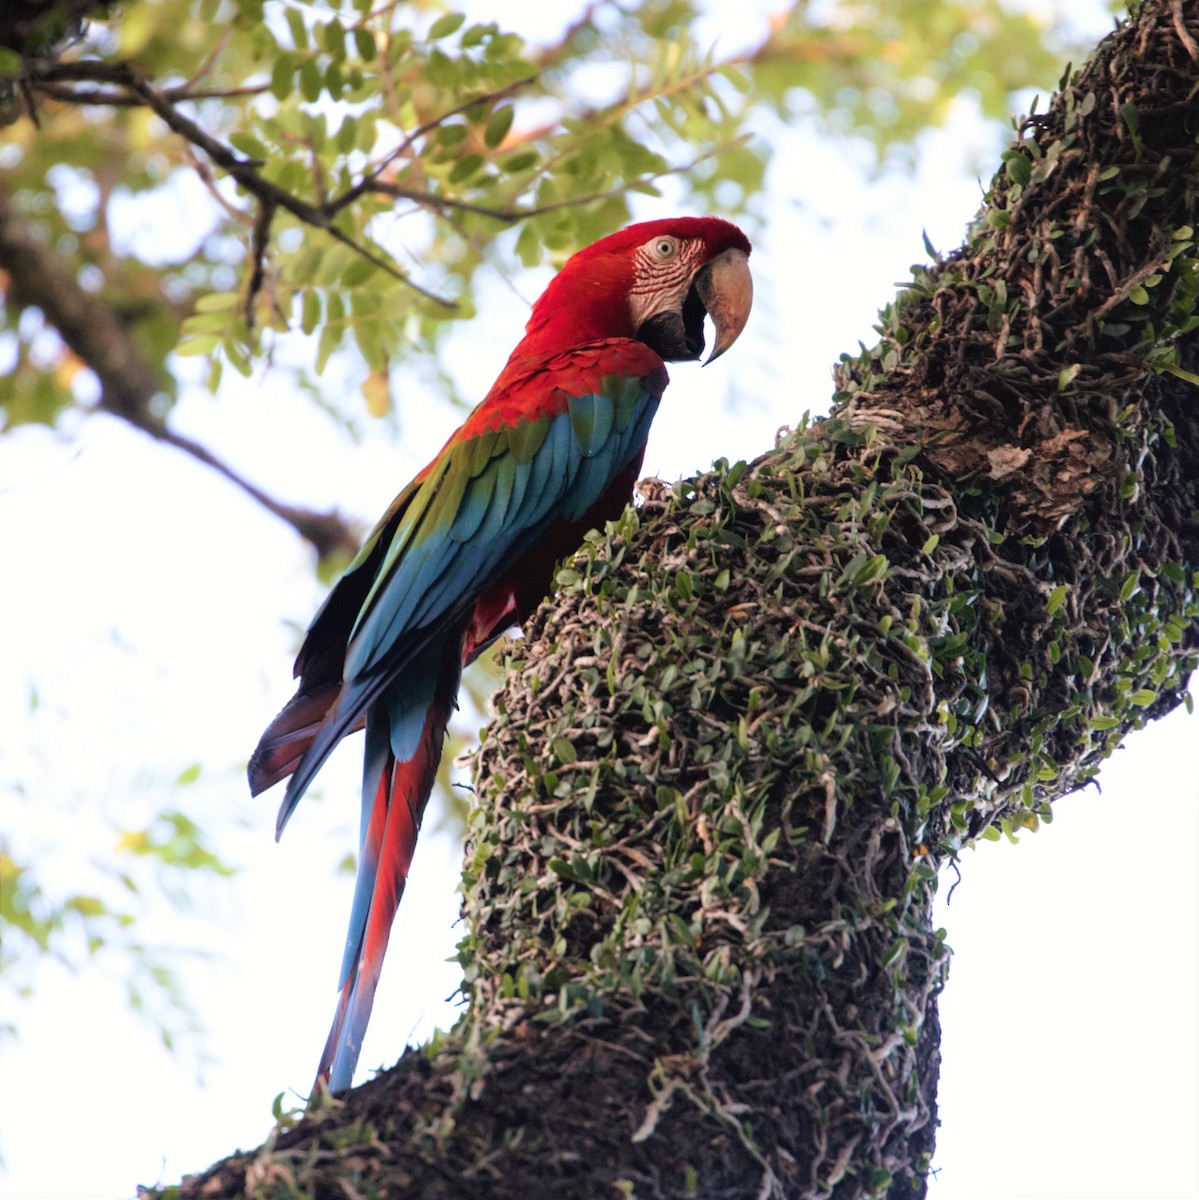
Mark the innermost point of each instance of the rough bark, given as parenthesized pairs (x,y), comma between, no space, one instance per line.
(762,711)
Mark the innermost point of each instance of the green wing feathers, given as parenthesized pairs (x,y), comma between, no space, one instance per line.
(494,500)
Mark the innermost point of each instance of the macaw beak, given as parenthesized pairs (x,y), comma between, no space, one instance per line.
(726,290)
(721,289)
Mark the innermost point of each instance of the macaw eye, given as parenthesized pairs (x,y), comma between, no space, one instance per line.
(665,248)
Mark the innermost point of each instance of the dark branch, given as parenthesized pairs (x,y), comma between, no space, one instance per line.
(244,170)
(38,278)
(258,249)
(328,532)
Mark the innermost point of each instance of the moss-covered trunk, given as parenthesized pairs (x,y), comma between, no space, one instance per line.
(762,713)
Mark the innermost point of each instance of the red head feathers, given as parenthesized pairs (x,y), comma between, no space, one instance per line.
(654,282)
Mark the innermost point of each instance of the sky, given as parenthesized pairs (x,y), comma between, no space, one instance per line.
(156,613)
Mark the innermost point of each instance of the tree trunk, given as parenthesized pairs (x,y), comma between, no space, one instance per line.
(764,710)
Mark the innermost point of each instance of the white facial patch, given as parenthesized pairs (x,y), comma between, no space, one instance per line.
(662,272)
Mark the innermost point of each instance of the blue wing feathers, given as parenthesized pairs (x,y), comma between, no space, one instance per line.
(504,470)
(564,459)
(501,510)
(521,473)
(475,504)
(406,710)
(487,501)
(374,759)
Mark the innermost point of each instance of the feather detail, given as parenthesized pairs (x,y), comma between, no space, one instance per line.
(395,790)
(288,736)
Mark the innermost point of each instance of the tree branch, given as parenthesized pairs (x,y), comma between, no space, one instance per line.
(367,182)
(244,170)
(88,325)
(738,744)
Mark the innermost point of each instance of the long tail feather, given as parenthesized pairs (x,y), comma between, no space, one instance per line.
(395,792)
(288,736)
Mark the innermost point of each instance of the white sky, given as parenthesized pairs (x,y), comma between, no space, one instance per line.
(155,612)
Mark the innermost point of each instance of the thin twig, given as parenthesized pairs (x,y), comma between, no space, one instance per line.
(245,89)
(209,60)
(244,170)
(328,532)
(552,55)
(205,176)
(258,249)
(30,102)
(364,184)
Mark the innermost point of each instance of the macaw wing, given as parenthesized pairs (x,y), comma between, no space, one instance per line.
(320,664)
(322,655)
(486,500)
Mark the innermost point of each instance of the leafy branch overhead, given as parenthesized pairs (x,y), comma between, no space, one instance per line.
(359,164)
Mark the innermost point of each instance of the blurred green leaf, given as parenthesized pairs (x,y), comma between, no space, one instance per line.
(446,25)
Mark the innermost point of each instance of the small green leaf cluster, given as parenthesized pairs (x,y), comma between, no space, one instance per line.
(90,926)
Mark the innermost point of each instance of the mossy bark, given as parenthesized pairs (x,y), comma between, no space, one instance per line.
(766,707)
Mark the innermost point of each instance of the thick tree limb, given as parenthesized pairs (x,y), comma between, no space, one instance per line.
(757,719)
(37,277)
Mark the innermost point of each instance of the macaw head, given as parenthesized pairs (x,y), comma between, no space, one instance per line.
(655,282)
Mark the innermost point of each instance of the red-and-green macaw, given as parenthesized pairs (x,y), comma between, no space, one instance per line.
(468,548)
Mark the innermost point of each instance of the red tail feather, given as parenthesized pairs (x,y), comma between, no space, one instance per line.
(399,806)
